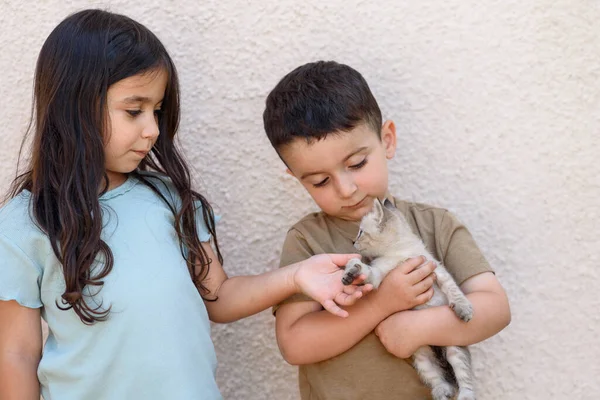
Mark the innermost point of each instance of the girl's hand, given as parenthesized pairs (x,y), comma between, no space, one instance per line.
(399,334)
(320,277)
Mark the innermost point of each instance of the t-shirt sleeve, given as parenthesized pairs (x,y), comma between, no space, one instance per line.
(20,277)
(201,228)
(295,249)
(461,255)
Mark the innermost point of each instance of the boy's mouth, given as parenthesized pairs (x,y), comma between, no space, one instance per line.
(357,205)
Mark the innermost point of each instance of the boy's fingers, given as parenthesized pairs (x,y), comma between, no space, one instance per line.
(421,273)
(425,284)
(412,263)
(424,297)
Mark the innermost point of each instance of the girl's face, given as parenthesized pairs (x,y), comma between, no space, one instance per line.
(133,105)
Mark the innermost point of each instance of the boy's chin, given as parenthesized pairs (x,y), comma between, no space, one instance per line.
(354,215)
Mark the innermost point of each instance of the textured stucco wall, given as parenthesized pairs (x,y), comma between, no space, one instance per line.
(497,105)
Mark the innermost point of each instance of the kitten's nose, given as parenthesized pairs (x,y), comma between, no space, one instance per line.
(353,242)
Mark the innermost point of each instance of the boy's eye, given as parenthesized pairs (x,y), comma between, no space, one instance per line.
(322,183)
(134,113)
(359,165)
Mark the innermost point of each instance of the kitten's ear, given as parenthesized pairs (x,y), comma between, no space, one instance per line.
(388,204)
(378,211)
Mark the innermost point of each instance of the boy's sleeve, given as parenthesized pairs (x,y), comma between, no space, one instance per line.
(461,255)
(295,249)
(20,277)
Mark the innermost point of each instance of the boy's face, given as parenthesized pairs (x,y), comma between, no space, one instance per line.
(346,171)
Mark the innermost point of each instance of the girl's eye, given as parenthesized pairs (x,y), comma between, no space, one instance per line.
(322,183)
(359,165)
(158,112)
(134,113)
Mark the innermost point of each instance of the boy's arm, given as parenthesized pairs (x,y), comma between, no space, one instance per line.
(319,277)
(20,351)
(306,335)
(406,331)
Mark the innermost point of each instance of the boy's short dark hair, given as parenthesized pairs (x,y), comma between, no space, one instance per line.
(317,99)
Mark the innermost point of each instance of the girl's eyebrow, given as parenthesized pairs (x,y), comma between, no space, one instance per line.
(138,99)
(345,159)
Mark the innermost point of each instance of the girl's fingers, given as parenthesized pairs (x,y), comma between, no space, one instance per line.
(359,279)
(333,308)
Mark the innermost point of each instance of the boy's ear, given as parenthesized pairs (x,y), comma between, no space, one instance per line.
(388,137)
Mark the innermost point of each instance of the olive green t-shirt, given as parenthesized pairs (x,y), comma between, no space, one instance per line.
(367,370)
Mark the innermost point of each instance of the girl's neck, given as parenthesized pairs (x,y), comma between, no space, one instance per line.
(115,179)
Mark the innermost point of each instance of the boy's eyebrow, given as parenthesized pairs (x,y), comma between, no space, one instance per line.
(345,159)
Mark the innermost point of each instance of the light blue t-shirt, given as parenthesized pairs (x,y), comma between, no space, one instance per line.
(156,342)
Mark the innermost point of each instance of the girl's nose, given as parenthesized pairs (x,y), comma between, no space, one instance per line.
(151,129)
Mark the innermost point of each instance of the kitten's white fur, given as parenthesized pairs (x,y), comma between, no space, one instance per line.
(387,239)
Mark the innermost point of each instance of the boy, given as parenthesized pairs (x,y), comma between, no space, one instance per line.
(327,128)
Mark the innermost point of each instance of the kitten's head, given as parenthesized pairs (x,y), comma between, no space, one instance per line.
(378,229)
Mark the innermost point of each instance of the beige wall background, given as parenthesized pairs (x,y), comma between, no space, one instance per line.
(497,105)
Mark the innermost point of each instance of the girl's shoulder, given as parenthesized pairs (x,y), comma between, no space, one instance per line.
(18,228)
(16,214)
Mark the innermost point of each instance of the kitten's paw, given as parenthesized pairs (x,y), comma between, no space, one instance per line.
(352,271)
(463,309)
(466,394)
(443,391)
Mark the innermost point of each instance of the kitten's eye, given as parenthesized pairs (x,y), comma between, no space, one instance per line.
(360,232)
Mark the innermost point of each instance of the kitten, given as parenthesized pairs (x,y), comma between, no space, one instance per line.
(386,238)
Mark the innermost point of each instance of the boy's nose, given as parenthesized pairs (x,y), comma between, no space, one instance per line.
(346,187)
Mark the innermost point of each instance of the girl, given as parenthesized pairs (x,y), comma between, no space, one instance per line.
(105,239)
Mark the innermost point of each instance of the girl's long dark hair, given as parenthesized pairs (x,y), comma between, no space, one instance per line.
(83,56)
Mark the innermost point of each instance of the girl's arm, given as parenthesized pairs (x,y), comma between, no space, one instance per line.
(319,277)
(404,332)
(306,335)
(20,351)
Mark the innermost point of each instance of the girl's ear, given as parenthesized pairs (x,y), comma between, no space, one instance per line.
(388,138)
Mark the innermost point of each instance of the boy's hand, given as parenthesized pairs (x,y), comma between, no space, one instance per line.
(399,335)
(320,277)
(406,286)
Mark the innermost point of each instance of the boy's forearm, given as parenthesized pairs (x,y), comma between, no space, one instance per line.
(319,336)
(18,378)
(242,296)
(439,326)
